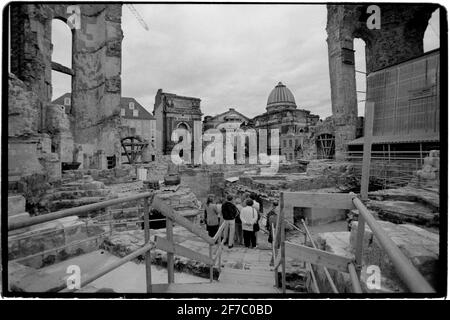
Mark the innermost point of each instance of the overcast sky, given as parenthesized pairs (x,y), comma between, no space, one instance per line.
(227,55)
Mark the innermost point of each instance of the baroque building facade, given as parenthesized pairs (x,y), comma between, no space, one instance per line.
(175,112)
(293,123)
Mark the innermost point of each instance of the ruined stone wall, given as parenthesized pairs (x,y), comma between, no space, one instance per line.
(399,38)
(96,88)
(96,84)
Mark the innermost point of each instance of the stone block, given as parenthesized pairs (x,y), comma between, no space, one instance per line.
(16,204)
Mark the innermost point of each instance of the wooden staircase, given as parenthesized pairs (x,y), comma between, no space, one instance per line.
(230,281)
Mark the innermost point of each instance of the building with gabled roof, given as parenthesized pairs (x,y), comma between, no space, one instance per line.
(228,120)
(132,113)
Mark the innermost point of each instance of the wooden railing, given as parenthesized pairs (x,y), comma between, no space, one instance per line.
(311,255)
(166,244)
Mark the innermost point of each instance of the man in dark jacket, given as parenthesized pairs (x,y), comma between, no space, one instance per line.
(229,213)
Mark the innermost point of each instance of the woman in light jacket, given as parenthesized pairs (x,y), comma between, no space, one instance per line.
(249,216)
(211,217)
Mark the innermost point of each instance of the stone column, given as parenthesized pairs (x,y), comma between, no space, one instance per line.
(342,78)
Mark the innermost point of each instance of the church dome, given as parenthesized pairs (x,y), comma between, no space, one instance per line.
(280,98)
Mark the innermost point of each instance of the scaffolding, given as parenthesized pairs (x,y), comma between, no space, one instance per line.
(391,169)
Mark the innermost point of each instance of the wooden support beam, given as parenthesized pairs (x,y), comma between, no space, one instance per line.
(359,250)
(368,136)
(318,257)
(170,256)
(277,260)
(327,273)
(148,260)
(167,211)
(63,69)
(108,268)
(318,200)
(283,254)
(218,253)
(354,277)
(219,232)
(81,210)
(211,270)
(166,245)
(315,285)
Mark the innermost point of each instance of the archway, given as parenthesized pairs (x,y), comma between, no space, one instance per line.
(61,62)
(431,35)
(359,46)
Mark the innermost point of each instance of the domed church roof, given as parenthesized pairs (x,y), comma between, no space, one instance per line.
(281,98)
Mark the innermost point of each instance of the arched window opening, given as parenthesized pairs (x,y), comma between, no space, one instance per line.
(360,73)
(431,36)
(325,146)
(61,63)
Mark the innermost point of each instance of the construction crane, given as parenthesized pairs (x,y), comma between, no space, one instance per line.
(138,16)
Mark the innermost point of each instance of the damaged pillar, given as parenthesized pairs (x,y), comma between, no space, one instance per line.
(399,38)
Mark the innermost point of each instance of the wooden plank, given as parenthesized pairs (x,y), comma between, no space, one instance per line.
(63,69)
(318,257)
(211,270)
(212,288)
(318,200)
(368,136)
(219,232)
(167,211)
(360,242)
(218,253)
(170,257)
(315,286)
(283,254)
(277,260)
(246,277)
(148,259)
(354,277)
(166,245)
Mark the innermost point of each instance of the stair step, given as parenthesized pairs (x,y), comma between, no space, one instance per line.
(247,277)
(214,287)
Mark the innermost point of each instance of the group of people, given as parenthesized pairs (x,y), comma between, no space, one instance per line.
(241,217)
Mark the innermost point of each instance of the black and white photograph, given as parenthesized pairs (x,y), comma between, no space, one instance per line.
(224,150)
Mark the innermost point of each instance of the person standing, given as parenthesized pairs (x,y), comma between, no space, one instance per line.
(249,216)
(271,224)
(239,237)
(229,213)
(211,217)
(257,207)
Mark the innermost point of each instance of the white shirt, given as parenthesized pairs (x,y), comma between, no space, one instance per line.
(249,216)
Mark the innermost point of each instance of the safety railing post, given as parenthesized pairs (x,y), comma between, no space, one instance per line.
(283,253)
(170,255)
(211,266)
(359,244)
(111,222)
(148,260)
(407,272)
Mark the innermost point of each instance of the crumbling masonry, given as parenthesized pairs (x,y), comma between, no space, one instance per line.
(400,38)
(41,135)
